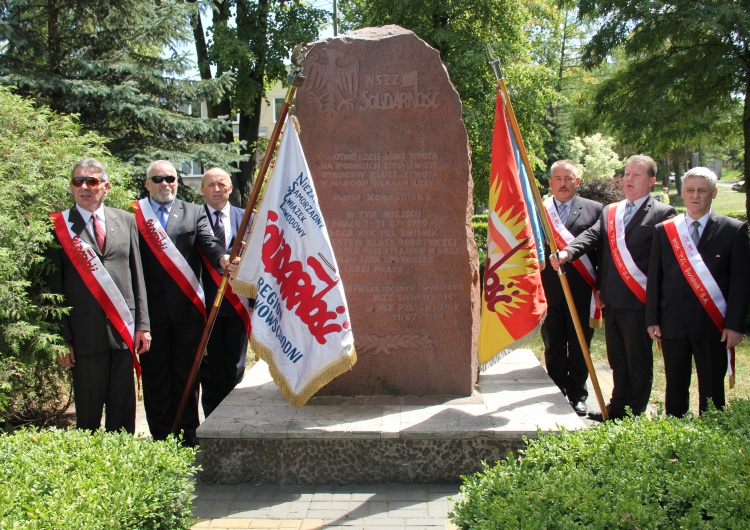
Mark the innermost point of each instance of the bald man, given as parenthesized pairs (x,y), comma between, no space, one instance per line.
(224,363)
(175,237)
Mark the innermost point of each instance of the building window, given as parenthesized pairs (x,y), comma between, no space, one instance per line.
(277,104)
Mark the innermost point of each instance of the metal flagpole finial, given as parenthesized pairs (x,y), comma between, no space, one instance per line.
(494,63)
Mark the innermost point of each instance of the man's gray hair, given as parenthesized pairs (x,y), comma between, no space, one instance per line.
(91,163)
(644,160)
(565,163)
(155,163)
(704,173)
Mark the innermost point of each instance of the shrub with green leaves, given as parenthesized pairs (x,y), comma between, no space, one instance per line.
(660,473)
(38,149)
(75,480)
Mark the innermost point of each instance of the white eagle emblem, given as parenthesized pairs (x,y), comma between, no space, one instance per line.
(332,80)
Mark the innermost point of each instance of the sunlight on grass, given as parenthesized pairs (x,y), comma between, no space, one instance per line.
(599,354)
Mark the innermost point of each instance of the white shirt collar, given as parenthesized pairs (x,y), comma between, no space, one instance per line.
(86,215)
(224,210)
(703,220)
(639,202)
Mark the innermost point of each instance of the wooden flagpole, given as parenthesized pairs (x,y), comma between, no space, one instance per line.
(495,65)
(239,242)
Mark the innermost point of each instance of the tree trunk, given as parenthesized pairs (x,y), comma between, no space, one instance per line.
(251,23)
(746,137)
(201,49)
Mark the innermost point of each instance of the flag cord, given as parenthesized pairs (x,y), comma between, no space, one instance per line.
(239,242)
(495,65)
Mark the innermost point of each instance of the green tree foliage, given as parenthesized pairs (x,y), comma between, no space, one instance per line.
(684,69)
(556,38)
(595,157)
(459,30)
(117,64)
(38,149)
(251,40)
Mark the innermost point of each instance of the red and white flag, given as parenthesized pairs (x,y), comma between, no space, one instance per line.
(300,325)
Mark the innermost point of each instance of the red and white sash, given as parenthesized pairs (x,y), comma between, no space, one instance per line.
(633,277)
(583,265)
(698,275)
(167,254)
(98,281)
(242,309)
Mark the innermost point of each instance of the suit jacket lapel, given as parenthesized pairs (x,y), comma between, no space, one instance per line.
(708,231)
(113,229)
(574,214)
(175,217)
(79,228)
(639,214)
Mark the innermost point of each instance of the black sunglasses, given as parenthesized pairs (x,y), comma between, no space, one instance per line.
(157,179)
(92,182)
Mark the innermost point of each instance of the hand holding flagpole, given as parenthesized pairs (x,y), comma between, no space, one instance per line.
(497,70)
(239,242)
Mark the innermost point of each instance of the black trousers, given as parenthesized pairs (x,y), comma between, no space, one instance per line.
(105,380)
(166,368)
(631,359)
(710,365)
(563,355)
(224,364)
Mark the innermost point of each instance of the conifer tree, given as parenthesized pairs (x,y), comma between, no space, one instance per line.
(120,65)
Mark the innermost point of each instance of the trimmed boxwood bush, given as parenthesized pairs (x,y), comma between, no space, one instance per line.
(72,479)
(660,473)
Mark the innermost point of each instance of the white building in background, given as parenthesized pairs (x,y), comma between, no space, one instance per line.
(269,112)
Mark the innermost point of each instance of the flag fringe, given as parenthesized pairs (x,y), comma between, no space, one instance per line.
(335,369)
(523,341)
(596,323)
(249,290)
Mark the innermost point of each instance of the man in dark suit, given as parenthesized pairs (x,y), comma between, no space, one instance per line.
(702,317)
(569,216)
(224,364)
(624,234)
(98,270)
(172,270)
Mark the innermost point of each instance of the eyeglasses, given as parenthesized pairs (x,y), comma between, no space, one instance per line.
(157,179)
(92,182)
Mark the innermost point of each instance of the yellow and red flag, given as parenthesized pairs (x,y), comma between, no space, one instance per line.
(513,301)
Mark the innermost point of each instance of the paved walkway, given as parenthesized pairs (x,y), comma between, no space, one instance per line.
(397,506)
(370,507)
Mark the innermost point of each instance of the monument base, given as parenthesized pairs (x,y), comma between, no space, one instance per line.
(255,435)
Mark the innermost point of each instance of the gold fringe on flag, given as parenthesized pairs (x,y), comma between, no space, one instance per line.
(328,374)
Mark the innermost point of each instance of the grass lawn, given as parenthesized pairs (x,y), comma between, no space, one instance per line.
(599,353)
(726,200)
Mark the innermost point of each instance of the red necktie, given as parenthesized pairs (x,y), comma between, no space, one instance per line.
(99,233)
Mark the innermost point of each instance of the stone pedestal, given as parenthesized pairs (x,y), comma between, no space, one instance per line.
(382,132)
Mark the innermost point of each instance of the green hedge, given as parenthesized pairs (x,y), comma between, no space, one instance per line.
(72,479)
(660,473)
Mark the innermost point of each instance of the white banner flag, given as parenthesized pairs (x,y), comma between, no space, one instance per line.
(300,325)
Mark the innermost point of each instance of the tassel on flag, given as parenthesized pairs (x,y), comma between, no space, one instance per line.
(300,325)
(513,301)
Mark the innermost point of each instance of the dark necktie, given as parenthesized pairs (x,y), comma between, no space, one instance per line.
(563,212)
(99,234)
(219,229)
(696,233)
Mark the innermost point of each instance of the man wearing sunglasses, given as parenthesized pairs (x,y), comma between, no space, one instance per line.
(97,267)
(173,234)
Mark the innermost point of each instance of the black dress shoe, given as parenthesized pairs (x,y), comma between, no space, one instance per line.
(596,416)
(580,408)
